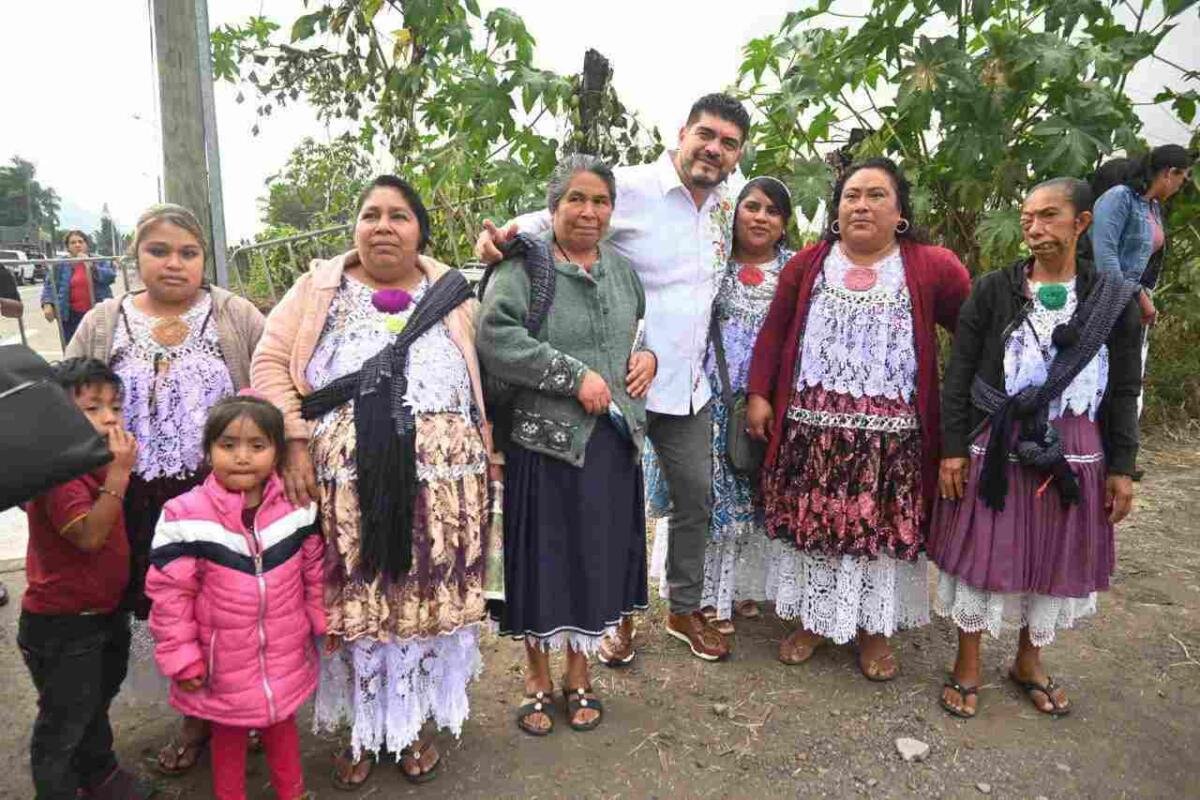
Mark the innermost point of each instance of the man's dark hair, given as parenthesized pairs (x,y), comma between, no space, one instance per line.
(903,197)
(262,413)
(1079,193)
(723,106)
(73,374)
(410,196)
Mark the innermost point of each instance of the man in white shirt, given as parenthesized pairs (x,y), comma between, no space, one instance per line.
(673,219)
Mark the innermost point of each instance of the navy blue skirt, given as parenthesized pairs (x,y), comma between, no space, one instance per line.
(574,539)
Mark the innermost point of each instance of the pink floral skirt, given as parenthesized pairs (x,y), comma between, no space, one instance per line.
(847,479)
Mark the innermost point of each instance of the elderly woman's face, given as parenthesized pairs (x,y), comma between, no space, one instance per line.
(1050,223)
(869,211)
(171,264)
(387,234)
(582,216)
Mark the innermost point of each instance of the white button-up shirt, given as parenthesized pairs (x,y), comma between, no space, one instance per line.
(680,252)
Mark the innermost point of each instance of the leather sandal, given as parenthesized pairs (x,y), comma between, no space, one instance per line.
(536,703)
(579,699)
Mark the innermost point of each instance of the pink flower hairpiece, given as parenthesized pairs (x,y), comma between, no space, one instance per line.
(391,301)
(250,391)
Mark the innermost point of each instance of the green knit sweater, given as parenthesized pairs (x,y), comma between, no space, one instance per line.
(591,325)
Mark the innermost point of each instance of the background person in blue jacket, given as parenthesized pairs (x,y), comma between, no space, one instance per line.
(1129,234)
(72,288)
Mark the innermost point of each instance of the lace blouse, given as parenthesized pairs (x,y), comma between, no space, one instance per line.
(169,389)
(740,308)
(438,380)
(1030,350)
(860,343)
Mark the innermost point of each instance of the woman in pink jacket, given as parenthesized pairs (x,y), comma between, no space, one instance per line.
(235,581)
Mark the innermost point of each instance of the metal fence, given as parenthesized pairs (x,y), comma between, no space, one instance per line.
(127,274)
(263,271)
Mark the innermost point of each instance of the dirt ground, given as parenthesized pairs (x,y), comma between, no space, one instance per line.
(753,727)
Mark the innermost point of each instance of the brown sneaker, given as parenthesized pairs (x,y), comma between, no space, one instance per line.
(705,641)
(616,648)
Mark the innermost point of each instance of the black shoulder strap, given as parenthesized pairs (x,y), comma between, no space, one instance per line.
(539,265)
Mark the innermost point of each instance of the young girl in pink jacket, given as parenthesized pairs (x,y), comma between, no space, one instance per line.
(235,581)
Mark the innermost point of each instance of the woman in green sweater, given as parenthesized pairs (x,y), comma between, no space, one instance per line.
(574,518)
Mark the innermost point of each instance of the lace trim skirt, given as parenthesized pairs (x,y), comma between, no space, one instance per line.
(574,543)
(977,610)
(1035,544)
(834,596)
(385,691)
(844,482)
(734,570)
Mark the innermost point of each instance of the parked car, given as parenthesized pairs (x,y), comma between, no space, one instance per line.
(23,273)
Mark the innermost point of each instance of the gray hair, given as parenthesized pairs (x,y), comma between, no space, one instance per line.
(1077,192)
(568,168)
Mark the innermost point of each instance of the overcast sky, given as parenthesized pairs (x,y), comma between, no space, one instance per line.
(79,93)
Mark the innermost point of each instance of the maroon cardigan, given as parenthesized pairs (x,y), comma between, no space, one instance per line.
(937,283)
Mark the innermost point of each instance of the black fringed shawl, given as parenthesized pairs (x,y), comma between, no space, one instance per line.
(385,452)
(1038,445)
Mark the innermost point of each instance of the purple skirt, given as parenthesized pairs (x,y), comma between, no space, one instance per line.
(1035,544)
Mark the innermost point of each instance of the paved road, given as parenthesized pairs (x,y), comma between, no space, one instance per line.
(41,335)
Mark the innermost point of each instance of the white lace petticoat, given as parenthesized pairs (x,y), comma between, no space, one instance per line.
(834,596)
(976,610)
(385,691)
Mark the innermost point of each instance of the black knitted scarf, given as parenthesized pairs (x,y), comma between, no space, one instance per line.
(1038,444)
(538,261)
(385,433)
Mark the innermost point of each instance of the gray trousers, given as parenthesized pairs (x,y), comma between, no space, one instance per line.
(683,445)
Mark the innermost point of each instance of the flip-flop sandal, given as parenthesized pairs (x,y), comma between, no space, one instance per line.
(579,699)
(340,783)
(415,755)
(709,612)
(964,692)
(179,749)
(806,651)
(1029,687)
(536,703)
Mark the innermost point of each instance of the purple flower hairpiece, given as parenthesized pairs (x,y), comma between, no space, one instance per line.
(391,301)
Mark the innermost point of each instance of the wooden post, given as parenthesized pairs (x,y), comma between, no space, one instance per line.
(177,49)
(596,74)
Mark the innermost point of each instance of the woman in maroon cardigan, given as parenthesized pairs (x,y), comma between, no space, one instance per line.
(843,384)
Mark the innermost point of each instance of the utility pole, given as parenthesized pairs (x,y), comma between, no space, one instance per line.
(191,163)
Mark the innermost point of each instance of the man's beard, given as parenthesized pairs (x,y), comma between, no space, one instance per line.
(702,180)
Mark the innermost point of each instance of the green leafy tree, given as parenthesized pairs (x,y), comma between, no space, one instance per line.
(450,93)
(976,99)
(25,203)
(318,185)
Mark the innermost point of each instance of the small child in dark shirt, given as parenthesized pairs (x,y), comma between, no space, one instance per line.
(72,634)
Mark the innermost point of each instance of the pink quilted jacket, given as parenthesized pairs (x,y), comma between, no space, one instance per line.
(236,607)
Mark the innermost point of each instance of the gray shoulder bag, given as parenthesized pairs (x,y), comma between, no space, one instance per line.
(745,454)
